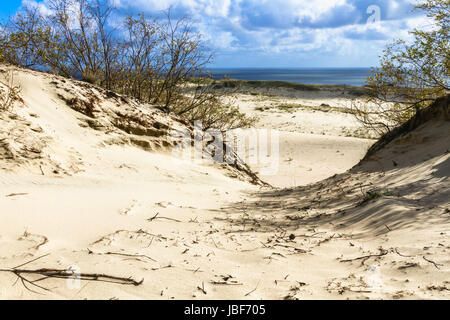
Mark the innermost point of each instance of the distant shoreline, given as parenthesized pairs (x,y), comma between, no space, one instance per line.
(282,87)
(305,76)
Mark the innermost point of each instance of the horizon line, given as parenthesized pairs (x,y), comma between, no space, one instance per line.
(300,68)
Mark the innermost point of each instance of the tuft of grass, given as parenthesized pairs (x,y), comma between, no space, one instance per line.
(375,194)
(288,107)
(372,195)
(291,107)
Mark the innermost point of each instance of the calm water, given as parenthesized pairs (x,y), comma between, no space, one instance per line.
(350,76)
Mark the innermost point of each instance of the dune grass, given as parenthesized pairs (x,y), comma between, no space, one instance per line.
(292,107)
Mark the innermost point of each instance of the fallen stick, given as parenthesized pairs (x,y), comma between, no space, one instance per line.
(16,194)
(196,270)
(325,240)
(67,274)
(402,255)
(434,263)
(63,274)
(202,288)
(225,283)
(408,265)
(364,258)
(122,254)
(156,217)
(287,246)
(215,244)
(44,241)
(24,264)
(249,293)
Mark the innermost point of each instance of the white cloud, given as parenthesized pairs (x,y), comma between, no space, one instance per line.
(296,27)
(42,6)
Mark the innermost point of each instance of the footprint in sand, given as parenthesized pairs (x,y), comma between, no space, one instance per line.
(165,204)
(130,209)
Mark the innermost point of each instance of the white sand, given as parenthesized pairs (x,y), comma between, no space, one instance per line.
(215,236)
(313,145)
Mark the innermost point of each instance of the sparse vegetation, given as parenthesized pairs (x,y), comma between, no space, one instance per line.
(257,84)
(371,195)
(149,59)
(263,108)
(412,75)
(375,194)
(292,107)
(259,87)
(361,133)
(9,93)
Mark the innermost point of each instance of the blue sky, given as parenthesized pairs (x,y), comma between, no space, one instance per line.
(286,33)
(8,7)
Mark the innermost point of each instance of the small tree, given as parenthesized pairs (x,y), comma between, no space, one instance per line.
(411,75)
(83,40)
(140,76)
(21,38)
(183,56)
(151,60)
(106,44)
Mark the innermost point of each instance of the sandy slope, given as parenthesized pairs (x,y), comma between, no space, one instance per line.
(313,144)
(75,187)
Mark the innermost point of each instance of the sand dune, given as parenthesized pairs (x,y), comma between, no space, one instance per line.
(88,183)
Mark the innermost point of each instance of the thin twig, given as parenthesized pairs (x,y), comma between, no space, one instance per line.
(402,255)
(45,255)
(156,217)
(248,293)
(122,254)
(16,194)
(434,263)
(67,274)
(202,288)
(364,258)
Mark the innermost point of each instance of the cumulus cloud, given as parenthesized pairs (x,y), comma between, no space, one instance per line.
(266,29)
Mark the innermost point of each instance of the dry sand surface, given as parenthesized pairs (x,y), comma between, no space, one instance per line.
(313,144)
(88,183)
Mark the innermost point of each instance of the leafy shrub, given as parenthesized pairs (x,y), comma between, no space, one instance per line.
(412,75)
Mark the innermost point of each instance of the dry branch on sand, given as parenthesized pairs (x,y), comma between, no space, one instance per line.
(137,256)
(47,273)
(156,216)
(364,258)
(432,262)
(15,194)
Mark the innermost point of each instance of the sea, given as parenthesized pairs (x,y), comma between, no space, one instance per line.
(348,76)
